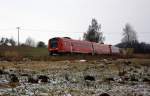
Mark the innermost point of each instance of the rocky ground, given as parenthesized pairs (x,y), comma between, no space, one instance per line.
(104,77)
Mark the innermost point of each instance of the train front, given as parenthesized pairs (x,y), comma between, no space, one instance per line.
(53,46)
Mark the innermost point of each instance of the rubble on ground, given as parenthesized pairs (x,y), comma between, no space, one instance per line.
(63,78)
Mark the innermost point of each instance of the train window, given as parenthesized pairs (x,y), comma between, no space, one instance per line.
(66,44)
(85,45)
(75,44)
(53,43)
(81,44)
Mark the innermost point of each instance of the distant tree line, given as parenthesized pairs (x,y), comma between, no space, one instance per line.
(7,42)
(28,43)
(138,47)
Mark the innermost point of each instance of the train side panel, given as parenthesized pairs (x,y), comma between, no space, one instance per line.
(65,45)
(101,48)
(115,50)
(81,46)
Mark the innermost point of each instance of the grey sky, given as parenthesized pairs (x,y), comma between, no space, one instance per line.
(44,19)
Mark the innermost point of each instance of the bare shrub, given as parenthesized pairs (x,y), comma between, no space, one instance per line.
(30,42)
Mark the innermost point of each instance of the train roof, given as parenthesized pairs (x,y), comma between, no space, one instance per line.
(70,39)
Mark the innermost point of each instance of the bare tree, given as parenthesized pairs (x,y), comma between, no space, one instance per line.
(94,33)
(129,35)
(4,41)
(12,42)
(30,42)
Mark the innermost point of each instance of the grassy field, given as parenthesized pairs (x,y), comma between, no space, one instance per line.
(73,64)
(17,53)
(41,54)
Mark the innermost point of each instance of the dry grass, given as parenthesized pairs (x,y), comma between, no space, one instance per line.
(70,65)
(142,56)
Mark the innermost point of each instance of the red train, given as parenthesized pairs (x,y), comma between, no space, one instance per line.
(67,45)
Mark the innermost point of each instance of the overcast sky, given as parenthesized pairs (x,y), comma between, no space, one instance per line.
(44,19)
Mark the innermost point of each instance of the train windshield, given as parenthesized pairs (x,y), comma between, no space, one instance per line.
(53,43)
